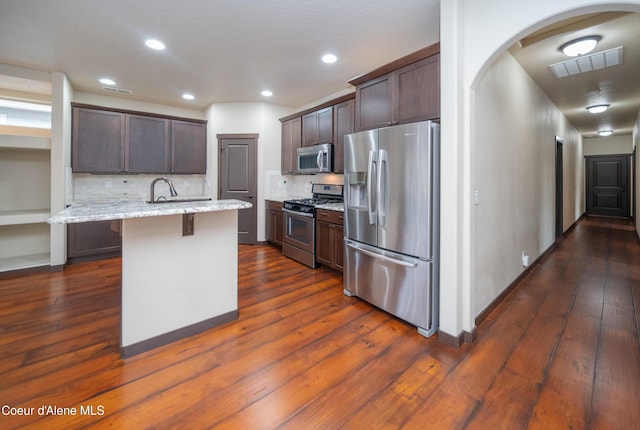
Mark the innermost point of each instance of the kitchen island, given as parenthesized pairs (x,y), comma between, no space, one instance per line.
(179,266)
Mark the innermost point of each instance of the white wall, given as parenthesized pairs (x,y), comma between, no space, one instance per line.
(514,174)
(608,145)
(473,34)
(260,118)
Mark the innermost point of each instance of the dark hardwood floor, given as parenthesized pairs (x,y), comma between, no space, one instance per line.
(561,352)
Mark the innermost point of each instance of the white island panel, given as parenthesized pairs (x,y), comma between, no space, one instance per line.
(172,282)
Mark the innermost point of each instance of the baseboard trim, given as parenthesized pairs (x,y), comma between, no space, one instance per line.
(465,337)
(172,336)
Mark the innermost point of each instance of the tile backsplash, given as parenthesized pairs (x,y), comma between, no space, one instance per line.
(278,186)
(92,187)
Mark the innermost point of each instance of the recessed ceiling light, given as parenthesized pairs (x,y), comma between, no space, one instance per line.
(329,58)
(580,46)
(154,44)
(598,108)
(188,96)
(605,133)
(266,93)
(107,81)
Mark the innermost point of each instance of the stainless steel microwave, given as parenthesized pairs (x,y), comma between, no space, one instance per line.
(315,159)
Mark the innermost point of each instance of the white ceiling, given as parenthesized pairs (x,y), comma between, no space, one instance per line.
(218,50)
(618,85)
(230,50)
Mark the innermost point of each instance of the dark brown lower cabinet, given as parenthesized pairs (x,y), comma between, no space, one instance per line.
(98,239)
(330,238)
(274,222)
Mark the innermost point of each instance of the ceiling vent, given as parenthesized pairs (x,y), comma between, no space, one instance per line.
(117,90)
(587,63)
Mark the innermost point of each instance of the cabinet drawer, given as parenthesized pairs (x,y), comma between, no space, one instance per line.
(274,206)
(333,217)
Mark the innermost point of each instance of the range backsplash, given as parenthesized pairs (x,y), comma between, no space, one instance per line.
(278,186)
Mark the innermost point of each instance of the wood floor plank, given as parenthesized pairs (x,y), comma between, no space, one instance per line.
(561,351)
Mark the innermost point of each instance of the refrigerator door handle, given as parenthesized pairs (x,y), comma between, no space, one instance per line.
(383,198)
(371,173)
(380,256)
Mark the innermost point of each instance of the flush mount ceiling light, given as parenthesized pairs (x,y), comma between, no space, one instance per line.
(605,133)
(598,108)
(107,81)
(329,58)
(266,93)
(188,96)
(154,44)
(580,46)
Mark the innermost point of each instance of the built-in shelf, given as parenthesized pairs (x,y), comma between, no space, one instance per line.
(25,142)
(24,262)
(16,217)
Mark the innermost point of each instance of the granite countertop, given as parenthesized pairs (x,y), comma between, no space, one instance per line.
(117,209)
(337,207)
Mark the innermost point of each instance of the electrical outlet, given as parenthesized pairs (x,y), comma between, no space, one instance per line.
(525,259)
(108,184)
(476,197)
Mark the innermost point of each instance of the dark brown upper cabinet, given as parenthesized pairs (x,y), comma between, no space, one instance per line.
(111,141)
(406,90)
(317,127)
(147,144)
(291,141)
(343,124)
(97,141)
(188,147)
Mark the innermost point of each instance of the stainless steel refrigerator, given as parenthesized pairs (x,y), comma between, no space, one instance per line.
(392,186)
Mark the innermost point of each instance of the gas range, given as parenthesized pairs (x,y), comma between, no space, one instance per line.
(322,194)
(299,222)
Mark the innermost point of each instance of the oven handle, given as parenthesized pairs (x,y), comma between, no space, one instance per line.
(294,213)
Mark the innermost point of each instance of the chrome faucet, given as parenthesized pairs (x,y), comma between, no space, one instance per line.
(172,189)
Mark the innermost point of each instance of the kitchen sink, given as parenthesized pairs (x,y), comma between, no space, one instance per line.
(203,199)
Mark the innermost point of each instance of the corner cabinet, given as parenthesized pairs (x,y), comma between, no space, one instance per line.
(407,90)
(330,238)
(326,123)
(109,141)
(25,175)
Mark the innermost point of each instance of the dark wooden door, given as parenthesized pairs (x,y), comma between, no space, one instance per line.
(559,190)
(608,185)
(238,180)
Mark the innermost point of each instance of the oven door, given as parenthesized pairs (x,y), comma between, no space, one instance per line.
(299,230)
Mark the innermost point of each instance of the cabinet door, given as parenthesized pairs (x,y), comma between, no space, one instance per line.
(417,91)
(325,125)
(343,124)
(338,247)
(87,239)
(310,129)
(317,127)
(188,147)
(373,104)
(324,246)
(147,145)
(291,140)
(98,141)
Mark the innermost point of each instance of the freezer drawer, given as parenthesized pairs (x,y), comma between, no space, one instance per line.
(396,283)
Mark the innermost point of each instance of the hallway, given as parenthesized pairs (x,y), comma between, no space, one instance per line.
(561,352)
